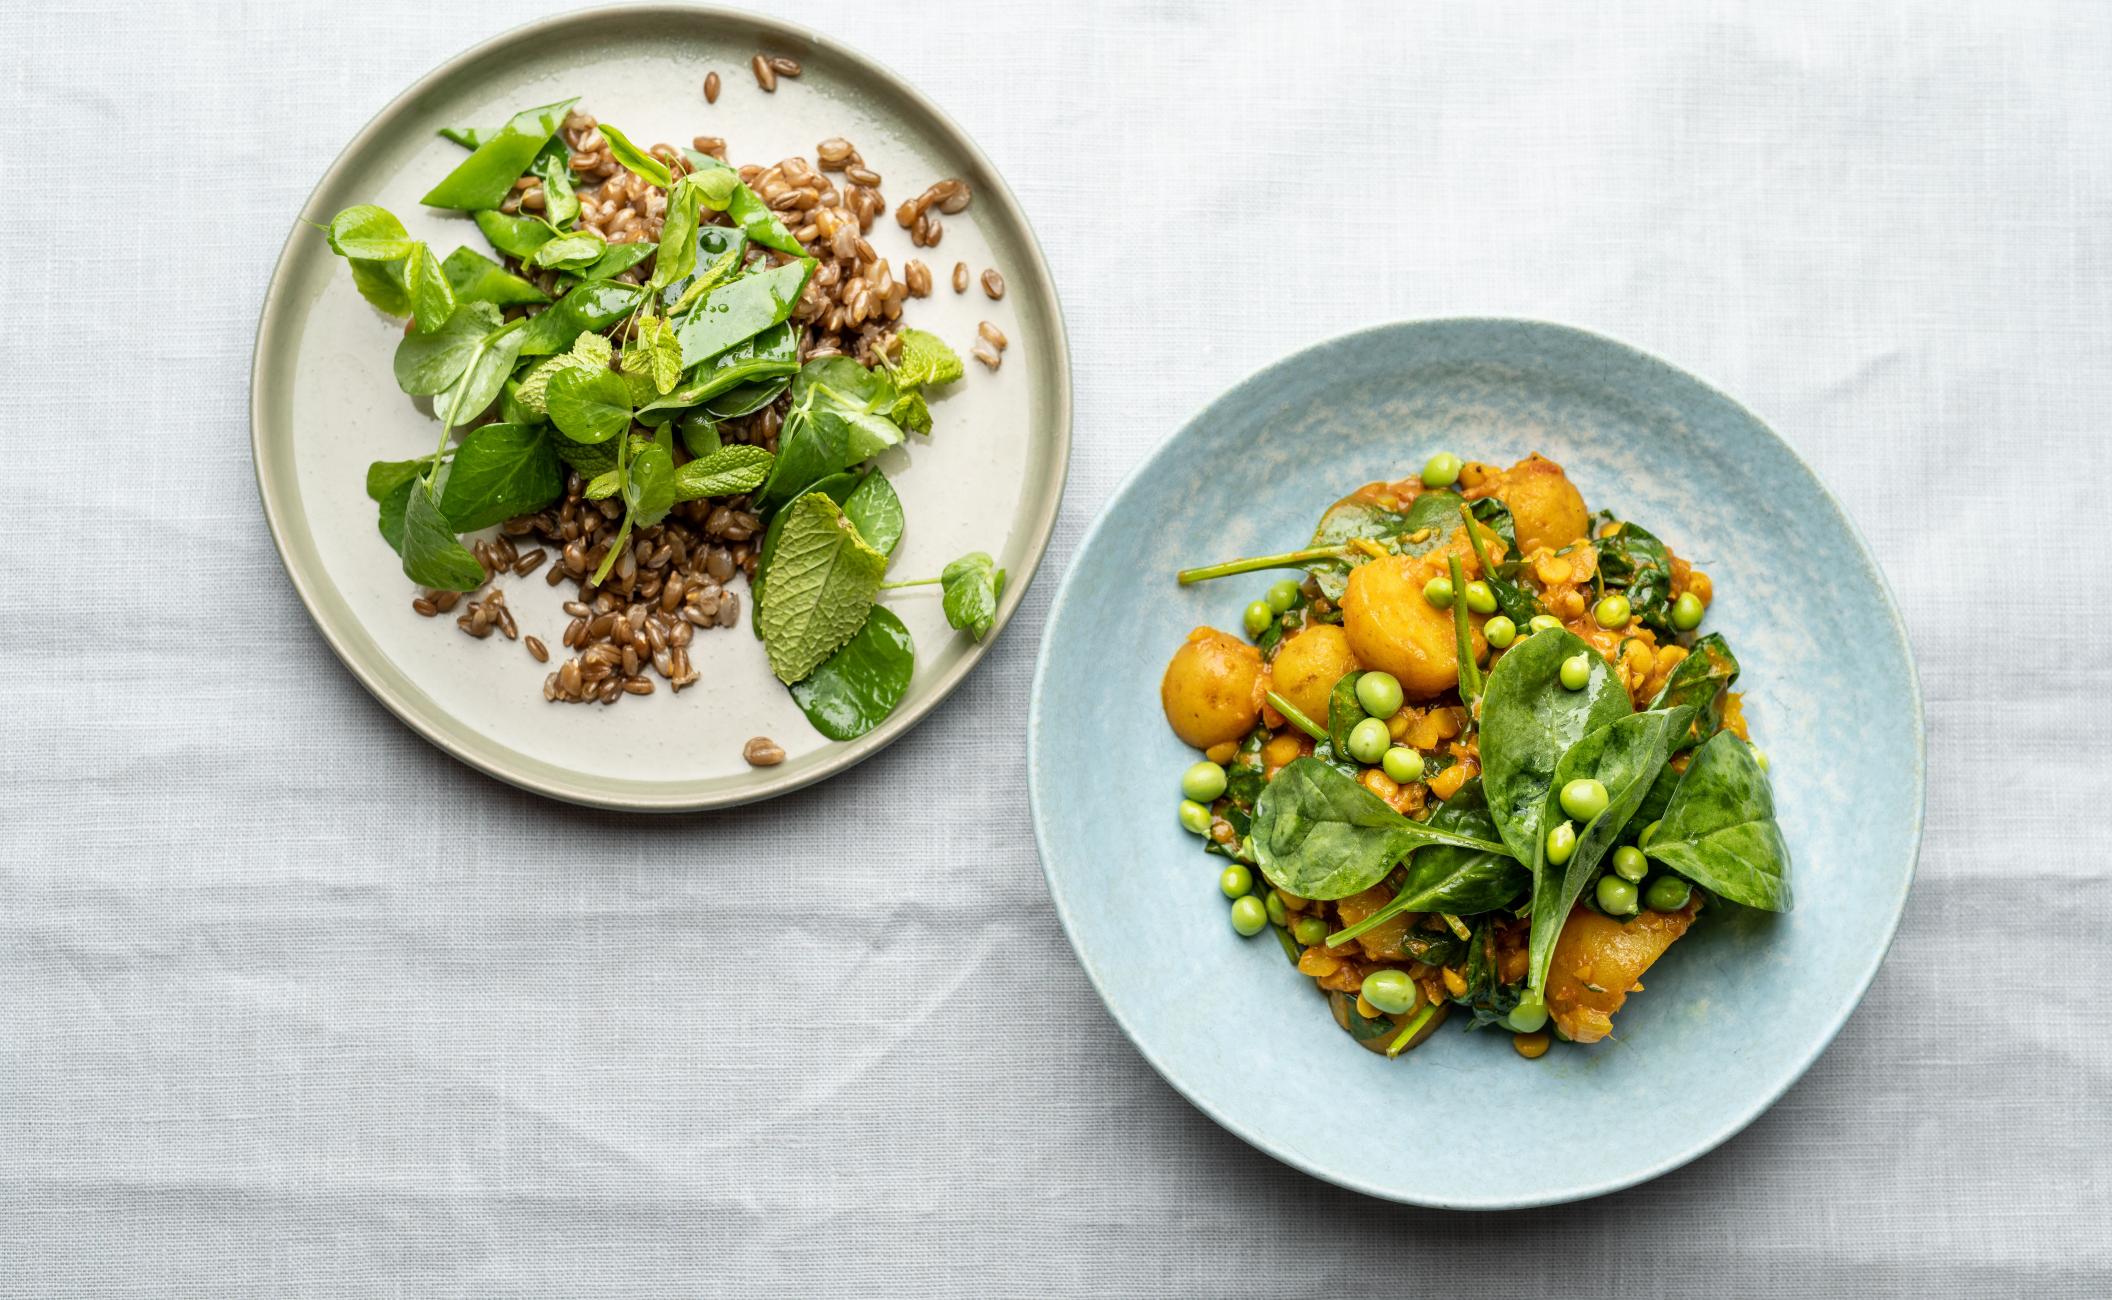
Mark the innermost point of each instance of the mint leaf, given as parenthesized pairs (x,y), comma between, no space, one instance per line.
(655,353)
(500,471)
(605,485)
(589,352)
(823,579)
(972,585)
(723,473)
(926,361)
(912,412)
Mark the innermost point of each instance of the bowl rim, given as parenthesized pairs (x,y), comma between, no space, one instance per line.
(1283,1152)
(504,764)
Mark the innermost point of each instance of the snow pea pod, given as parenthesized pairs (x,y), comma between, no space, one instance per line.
(486,177)
(741,309)
(749,212)
(476,278)
(770,354)
(594,305)
(517,237)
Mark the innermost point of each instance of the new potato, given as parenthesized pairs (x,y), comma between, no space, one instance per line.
(1212,688)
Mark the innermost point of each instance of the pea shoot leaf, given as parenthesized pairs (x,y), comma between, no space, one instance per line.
(580,249)
(426,364)
(649,485)
(636,160)
(369,234)
(876,511)
(972,585)
(471,394)
(589,405)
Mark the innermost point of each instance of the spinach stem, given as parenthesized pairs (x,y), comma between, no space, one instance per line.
(1457,926)
(1297,719)
(1287,560)
(1414,1027)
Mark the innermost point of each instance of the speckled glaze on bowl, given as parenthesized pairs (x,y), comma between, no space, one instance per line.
(323,402)
(1733,1015)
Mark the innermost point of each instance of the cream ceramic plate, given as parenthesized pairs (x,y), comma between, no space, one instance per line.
(323,404)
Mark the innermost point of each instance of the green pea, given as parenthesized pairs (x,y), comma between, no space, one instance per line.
(1629,863)
(1438,591)
(1309,931)
(1576,670)
(1392,992)
(1687,611)
(1616,896)
(1368,741)
(1403,764)
(1530,1015)
(1195,819)
(1584,798)
(1203,782)
(1561,843)
(1249,917)
(1441,470)
(1283,594)
(1479,598)
(1649,833)
(1276,913)
(1612,612)
(1760,757)
(1235,881)
(1667,894)
(1380,694)
(1258,617)
(1500,631)
(1544,623)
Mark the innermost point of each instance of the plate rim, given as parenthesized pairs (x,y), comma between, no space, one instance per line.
(1283,1152)
(1041,526)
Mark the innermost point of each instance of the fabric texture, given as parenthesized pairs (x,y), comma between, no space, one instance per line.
(293,1005)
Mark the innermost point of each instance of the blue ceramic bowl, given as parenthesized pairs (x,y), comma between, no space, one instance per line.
(1734,1013)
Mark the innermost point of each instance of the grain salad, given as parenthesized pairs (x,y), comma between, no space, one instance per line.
(663,390)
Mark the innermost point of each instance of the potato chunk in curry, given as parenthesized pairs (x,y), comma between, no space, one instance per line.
(1599,961)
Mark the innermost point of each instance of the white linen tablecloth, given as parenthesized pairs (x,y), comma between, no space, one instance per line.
(293,1005)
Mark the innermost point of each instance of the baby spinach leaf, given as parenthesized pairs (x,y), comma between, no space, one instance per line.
(1529,720)
(637,161)
(855,689)
(476,278)
(591,305)
(834,423)
(823,579)
(1344,711)
(1448,878)
(369,234)
(877,512)
(1719,830)
(925,361)
(517,237)
(1434,515)
(426,364)
(553,167)
(654,353)
(1701,680)
(725,472)
(486,177)
(589,405)
(1636,563)
(1625,756)
(432,555)
(500,471)
(972,585)
(1319,834)
(743,308)
(649,486)
(472,393)
(571,252)
(1514,600)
